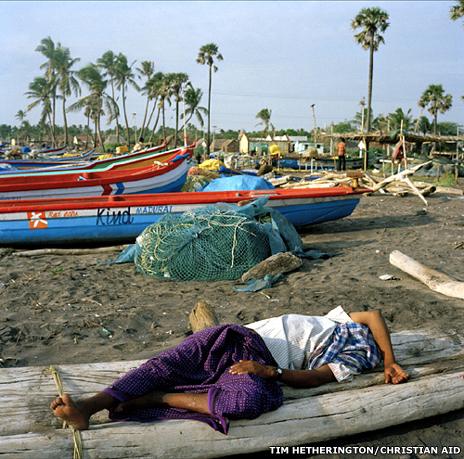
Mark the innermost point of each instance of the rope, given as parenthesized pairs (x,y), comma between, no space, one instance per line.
(78,452)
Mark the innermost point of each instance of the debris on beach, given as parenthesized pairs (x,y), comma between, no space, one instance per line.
(388,277)
(435,280)
(399,184)
(279,263)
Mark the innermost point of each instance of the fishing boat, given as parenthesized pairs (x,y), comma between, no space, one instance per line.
(25,165)
(128,161)
(162,177)
(53,151)
(121,218)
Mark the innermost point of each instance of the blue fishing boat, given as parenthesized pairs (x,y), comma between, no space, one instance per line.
(121,218)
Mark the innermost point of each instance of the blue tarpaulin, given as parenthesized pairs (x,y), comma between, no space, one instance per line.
(238,182)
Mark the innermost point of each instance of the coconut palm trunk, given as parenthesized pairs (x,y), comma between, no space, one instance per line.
(164,123)
(100,137)
(369,84)
(52,132)
(117,115)
(153,131)
(208,136)
(125,114)
(54,117)
(87,132)
(177,122)
(65,121)
(95,133)
(142,128)
(150,117)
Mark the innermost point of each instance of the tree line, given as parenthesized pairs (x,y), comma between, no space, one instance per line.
(106,83)
(107,80)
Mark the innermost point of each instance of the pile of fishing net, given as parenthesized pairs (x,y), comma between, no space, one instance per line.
(218,242)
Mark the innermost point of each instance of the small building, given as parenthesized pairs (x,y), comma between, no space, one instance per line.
(230,146)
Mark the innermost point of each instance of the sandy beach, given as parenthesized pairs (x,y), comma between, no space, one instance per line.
(75,309)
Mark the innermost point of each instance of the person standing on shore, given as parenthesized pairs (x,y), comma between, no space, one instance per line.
(341,151)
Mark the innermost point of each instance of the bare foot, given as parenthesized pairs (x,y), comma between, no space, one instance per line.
(64,408)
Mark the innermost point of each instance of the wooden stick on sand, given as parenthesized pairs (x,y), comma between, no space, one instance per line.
(435,280)
(40,252)
(202,316)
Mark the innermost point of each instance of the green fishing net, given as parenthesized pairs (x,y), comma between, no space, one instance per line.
(209,243)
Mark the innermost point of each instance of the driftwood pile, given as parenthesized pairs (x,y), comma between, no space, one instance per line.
(434,361)
(399,184)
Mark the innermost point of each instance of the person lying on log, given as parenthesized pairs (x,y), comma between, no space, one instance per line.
(235,372)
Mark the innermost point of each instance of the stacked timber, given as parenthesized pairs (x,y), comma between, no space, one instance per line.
(400,184)
(434,360)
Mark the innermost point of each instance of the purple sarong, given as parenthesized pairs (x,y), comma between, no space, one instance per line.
(201,364)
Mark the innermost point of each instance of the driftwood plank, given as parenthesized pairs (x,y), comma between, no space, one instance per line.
(433,279)
(314,419)
(25,392)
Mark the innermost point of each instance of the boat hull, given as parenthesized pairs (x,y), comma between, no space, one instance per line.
(112,221)
(152,179)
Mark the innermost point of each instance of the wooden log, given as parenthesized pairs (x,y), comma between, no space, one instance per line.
(427,191)
(415,190)
(303,421)
(202,316)
(27,391)
(449,190)
(51,251)
(399,176)
(435,280)
(279,263)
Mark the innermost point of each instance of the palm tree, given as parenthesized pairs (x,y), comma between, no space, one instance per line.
(47,47)
(40,91)
(372,22)
(192,99)
(177,82)
(146,71)
(154,88)
(124,76)
(457,11)
(107,62)
(93,103)
(20,116)
(264,115)
(435,100)
(66,79)
(206,56)
(399,115)
(164,96)
(381,122)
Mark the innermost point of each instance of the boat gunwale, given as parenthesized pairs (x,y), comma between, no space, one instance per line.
(172,198)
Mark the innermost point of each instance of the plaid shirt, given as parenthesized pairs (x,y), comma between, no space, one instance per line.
(350,350)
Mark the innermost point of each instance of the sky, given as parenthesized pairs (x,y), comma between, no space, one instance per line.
(283,56)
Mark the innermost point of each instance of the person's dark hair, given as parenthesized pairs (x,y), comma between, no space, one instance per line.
(141,139)
(342,139)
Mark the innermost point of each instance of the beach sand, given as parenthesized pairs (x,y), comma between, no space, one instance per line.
(76,309)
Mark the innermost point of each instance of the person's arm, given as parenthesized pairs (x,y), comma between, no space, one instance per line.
(294,378)
(373,319)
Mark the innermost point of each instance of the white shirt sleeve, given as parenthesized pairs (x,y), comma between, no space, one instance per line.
(338,315)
